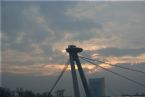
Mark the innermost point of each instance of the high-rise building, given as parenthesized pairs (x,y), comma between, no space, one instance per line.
(97,87)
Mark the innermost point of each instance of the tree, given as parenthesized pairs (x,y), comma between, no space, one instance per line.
(60,93)
(4,92)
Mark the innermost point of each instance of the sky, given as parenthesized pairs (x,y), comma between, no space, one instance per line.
(34,36)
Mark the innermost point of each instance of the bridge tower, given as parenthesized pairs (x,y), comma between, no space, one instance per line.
(73,55)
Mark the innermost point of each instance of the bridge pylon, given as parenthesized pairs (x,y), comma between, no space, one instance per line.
(73,55)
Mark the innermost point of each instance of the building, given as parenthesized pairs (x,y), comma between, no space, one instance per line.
(97,87)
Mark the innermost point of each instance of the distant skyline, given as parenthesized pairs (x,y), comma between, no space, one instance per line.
(35,35)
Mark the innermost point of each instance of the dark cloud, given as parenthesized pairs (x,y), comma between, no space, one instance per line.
(118,52)
(23,29)
(12,19)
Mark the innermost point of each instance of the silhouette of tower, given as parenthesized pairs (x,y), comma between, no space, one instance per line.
(73,55)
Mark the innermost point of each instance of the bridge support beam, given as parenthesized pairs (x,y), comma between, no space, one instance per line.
(73,50)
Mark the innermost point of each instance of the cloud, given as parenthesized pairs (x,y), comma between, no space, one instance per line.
(118,21)
(117,56)
(108,10)
(35,70)
(35,35)
(85,10)
(126,59)
(120,52)
(46,69)
(39,33)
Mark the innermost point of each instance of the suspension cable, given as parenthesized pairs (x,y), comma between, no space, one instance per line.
(139,71)
(59,77)
(131,80)
(109,90)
